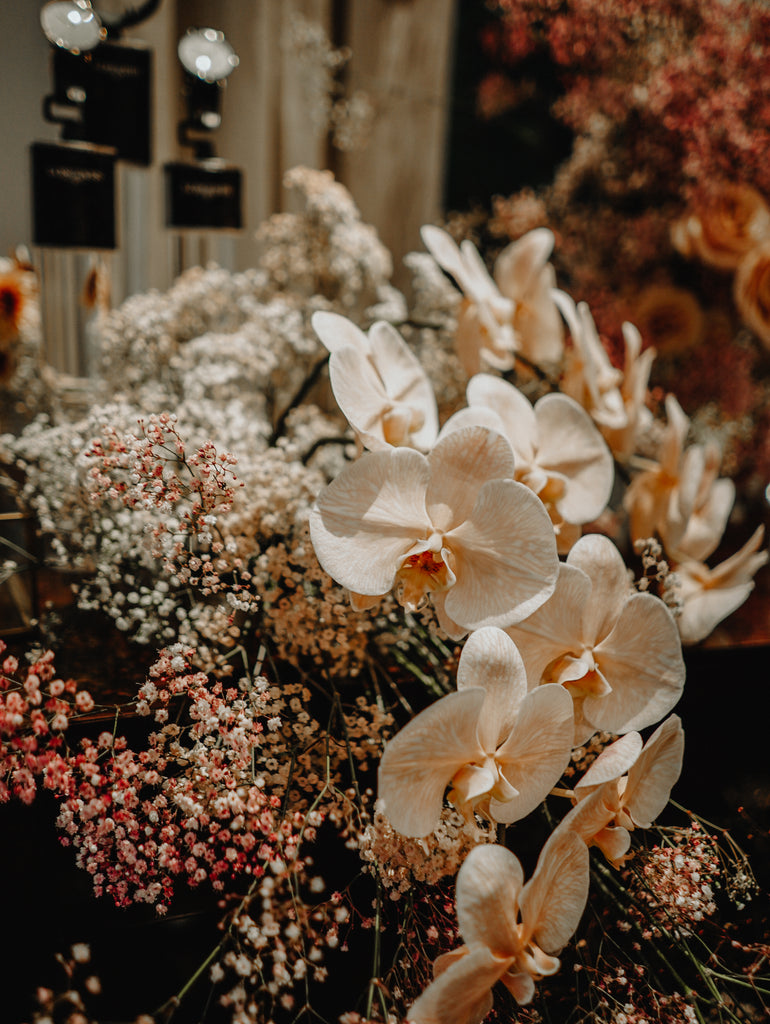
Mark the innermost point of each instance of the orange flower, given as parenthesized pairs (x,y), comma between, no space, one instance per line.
(670,318)
(752,291)
(723,228)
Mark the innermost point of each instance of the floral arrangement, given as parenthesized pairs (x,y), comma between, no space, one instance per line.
(661,208)
(407,583)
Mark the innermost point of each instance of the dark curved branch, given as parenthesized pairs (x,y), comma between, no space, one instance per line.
(298,398)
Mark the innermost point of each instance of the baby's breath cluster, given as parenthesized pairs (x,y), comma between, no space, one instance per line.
(279,938)
(674,884)
(399,862)
(36,707)
(192,804)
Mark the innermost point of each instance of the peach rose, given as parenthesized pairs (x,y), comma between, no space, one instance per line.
(723,228)
(751,290)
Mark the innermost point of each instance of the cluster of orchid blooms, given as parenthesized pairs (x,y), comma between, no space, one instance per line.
(474,516)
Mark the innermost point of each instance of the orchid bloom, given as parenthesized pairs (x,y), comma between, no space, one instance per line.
(713,503)
(662,498)
(615,650)
(589,377)
(512,312)
(633,391)
(453,524)
(379,384)
(710,595)
(680,497)
(512,931)
(499,748)
(626,787)
(559,453)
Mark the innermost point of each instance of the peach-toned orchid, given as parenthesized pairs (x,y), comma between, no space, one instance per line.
(499,748)
(661,498)
(680,497)
(379,384)
(614,399)
(508,314)
(710,595)
(626,787)
(512,930)
(453,524)
(713,503)
(589,377)
(559,453)
(633,391)
(615,650)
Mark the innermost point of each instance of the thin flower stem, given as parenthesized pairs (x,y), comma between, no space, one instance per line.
(374,983)
(430,684)
(615,897)
(351,763)
(322,442)
(168,1008)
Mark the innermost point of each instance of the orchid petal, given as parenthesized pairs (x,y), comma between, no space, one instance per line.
(707,523)
(337,332)
(521,985)
(614,842)
(420,761)
(652,777)
(705,609)
(452,629)
(601,561)
(592,814)
(538,326)
(487,898)
(446,253)
(534,756)
(614,761)
(363,602)
(556,627)
(518,265)
(405,379)
(461,994)
(515,411)
(505,555)
(642,660)
(741,567)
(473,417)
(570,444)
(482,285)
(460,464)
(369,517)
(553,900)
(490,659)
(359,393)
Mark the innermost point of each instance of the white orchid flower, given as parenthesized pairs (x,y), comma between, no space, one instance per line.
(453,524)
(512,930)
(508,314)
(499,748)
(633,391)
(662,498)
(626,787)
(710,595)
(589,377)
(559,453)
(714,500)
(379,384)
(616,651)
